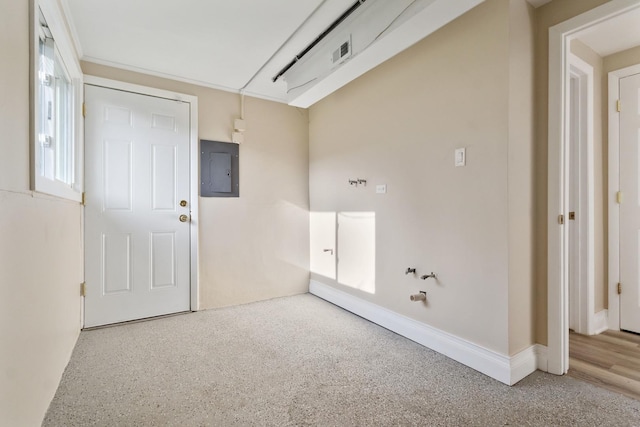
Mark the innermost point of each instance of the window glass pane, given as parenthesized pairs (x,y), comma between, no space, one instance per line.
(47,124)
(58,80)
(64,131)
(55,130)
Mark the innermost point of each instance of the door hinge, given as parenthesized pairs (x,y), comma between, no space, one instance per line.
(619,288)
(83,198)
(561,219)
(83,289)
(619,197)
(618,106)
(84,110)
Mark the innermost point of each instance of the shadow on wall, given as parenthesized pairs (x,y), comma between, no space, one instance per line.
(343,248)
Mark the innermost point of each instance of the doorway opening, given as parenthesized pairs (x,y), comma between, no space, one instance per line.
(606,16)
(141,211)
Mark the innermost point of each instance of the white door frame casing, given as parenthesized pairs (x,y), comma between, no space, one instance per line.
(194,180)
(582,72)
(560,37)
(614,78)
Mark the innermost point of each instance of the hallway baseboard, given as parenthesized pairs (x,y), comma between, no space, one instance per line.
(601,321)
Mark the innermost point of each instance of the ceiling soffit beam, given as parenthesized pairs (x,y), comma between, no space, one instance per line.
(319,81)
(319,39)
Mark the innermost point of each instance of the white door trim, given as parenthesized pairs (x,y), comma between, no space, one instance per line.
(614,187)
(560,37)
(193,162)
(584,295)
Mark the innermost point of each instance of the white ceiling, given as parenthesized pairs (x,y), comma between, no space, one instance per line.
(215,43)
(226,44)
(613,35)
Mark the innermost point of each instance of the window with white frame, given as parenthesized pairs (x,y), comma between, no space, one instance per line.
(57,113)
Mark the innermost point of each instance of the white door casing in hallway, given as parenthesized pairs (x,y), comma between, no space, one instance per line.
(630,203)
(137,251)
(580,187)
(574,200)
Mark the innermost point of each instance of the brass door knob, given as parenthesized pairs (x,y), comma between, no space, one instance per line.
(184,218)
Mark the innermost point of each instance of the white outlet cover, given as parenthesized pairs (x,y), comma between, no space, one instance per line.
(461,157)
(381,188)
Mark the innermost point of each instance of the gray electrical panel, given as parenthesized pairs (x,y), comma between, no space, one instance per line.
(219,164)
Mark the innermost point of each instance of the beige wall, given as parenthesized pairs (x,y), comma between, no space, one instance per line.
(521,176)
(588,55)
(623,59)
(40,250)
(254,247)
(399,125)
(547,16)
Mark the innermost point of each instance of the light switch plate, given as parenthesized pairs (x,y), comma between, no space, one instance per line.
(461,157)
(381,188)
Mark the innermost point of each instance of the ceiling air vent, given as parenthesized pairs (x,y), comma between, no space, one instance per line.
(342,52)
(367,34)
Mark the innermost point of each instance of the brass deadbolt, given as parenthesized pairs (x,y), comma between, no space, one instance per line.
(183,203)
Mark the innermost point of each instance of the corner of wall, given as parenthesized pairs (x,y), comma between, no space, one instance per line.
(521,175)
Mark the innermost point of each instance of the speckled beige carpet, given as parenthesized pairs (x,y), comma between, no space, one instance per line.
(300,361)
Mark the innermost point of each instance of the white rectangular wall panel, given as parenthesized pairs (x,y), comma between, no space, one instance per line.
(116,263)
(118,183)
(163,176)
(357,250)
(159,121)
(118,116)
(322,242)
(163,260)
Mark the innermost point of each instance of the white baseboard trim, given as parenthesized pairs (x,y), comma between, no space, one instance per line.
(541,357)
(600,322)
(508,370)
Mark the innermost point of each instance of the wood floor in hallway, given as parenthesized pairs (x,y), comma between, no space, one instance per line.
(610,360)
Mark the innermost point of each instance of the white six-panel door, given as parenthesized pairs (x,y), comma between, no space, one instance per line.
(630,206)
(137,249)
